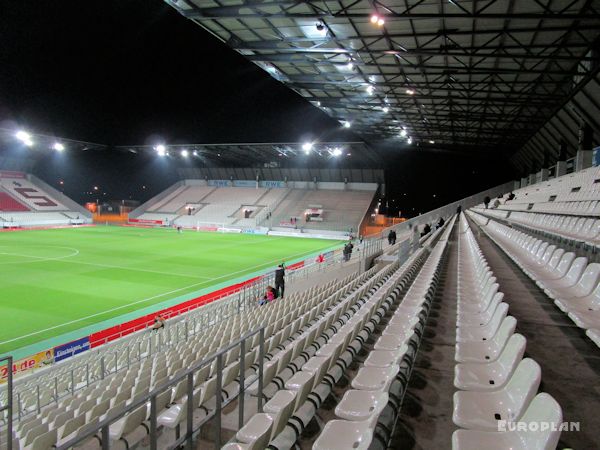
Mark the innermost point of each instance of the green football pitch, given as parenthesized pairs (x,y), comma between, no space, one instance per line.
(56,281)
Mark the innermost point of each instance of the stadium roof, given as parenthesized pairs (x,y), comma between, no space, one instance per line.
(457,75)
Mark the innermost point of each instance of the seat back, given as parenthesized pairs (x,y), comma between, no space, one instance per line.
(589,279)
(564,264)
(45,441)
(521,388)
(556,258)
(542,409)
(512,353)
(575,271)
(280,408)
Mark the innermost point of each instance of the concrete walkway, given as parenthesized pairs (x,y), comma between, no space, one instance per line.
(569,360)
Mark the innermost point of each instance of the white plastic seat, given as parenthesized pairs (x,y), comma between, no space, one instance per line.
(301,383)
(385,358)
(361,405)
(482,318)
(486,351)
(482,410)
(279,409)
(542,409)
(375,378)
(485,332)
(344,435)
(585,278)
(493,375)
(256,432)
(391,342)
(594,335)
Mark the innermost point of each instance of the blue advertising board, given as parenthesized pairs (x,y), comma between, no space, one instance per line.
(72,348)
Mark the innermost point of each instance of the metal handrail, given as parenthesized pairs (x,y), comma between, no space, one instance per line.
(103,426)
(9,403)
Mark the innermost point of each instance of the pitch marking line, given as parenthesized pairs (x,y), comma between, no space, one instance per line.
(147,299)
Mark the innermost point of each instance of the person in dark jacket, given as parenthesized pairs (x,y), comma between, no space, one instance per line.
(390,237)
(280,281)
(393,237)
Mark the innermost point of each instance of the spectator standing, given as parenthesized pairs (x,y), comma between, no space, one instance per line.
(280,280)
(390,237)
(394,237)
(486,201)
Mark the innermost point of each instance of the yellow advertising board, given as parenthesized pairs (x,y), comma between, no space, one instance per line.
(26,364)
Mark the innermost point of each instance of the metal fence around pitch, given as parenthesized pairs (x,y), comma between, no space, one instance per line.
(6,408)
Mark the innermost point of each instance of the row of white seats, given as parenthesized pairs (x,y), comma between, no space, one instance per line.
(42,428)
(580,229)
(495,382)
(300,377)
(382,379)
(572,283)
(584,179)
(575,208)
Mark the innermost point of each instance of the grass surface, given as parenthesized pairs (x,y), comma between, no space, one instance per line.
(56,281)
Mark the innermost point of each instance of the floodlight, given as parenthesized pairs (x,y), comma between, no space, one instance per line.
(380,22)
(370,89)
(337,152)
(195,153)
(307,147)
(410,92)
(409,141)
(432,141)
(22,135)
(185,153)
(403,133)
(374,18)
(59,147)
(347,124)
(350,66)
(385,109)
(161,150)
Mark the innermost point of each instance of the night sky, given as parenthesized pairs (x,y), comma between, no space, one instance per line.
(123,72)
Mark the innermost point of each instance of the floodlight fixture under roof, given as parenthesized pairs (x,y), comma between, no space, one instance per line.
(161,150)
(58,146)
